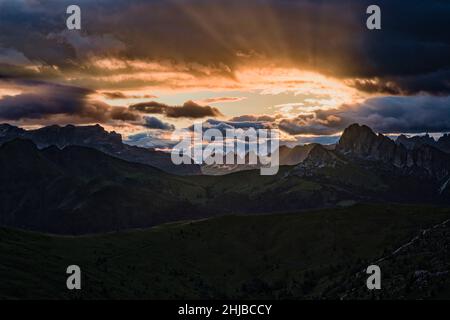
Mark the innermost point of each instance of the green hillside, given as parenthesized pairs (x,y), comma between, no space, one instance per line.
(293,255)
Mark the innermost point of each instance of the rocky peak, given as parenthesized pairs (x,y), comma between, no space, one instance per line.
(444,143)
(405,141)
(416,141)
(357,139)
(431,159)
(319,154)
(361,142)
(7,130)
(293,156)
(72,135)
(318,157)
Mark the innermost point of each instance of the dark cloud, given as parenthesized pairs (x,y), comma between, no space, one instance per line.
(150,107)
(13,57)
(123,114)
(155,123)
(222,126)
(45,100)
(189,109)
(311,124)
(256,118)
(392,114)
(89,45)
(437,83)
(410,54)
(376,85)
(114,95)
(121,95)
(416,114)
(151,139)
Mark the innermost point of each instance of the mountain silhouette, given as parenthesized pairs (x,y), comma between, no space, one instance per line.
(62,188)
(98,138)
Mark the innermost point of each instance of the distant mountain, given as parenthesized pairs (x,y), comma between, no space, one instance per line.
(239,164)
(98,138)
(317,158)
(415,141)
(443,143)
(293,156)
(287,157)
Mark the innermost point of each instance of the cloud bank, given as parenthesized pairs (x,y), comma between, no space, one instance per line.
(189,109)
(409,55)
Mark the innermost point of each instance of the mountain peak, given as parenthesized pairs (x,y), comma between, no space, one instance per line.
(6,129)
(94,136)
(361,142)
(415,141)
(357,130)
(73,135)
(359,139)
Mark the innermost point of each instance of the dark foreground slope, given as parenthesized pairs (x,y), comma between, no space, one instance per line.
(292,256)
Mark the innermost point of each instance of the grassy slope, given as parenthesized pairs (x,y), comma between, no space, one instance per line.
(280,256)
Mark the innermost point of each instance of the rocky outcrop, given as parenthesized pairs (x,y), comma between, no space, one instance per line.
(293,156)
(71,135)
(9,132)
(416,141)
(318,158)
(362,143)
(444,143)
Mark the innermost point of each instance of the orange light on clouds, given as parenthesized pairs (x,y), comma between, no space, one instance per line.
(266,79)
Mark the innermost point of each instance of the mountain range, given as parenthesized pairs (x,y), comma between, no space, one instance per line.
(443,143)
(98,138)
(61,180)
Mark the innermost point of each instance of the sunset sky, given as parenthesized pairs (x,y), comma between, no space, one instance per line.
(308,68)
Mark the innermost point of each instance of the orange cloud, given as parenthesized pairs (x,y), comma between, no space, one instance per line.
(220,100)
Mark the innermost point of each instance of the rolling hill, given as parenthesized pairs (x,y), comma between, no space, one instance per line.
(308,255)
(82,190)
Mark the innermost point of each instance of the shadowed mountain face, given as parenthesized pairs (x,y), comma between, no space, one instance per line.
(96,137)
(443,143)
(77,190)
(81,190)
(361,142)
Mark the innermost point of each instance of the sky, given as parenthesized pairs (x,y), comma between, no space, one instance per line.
(309,68)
